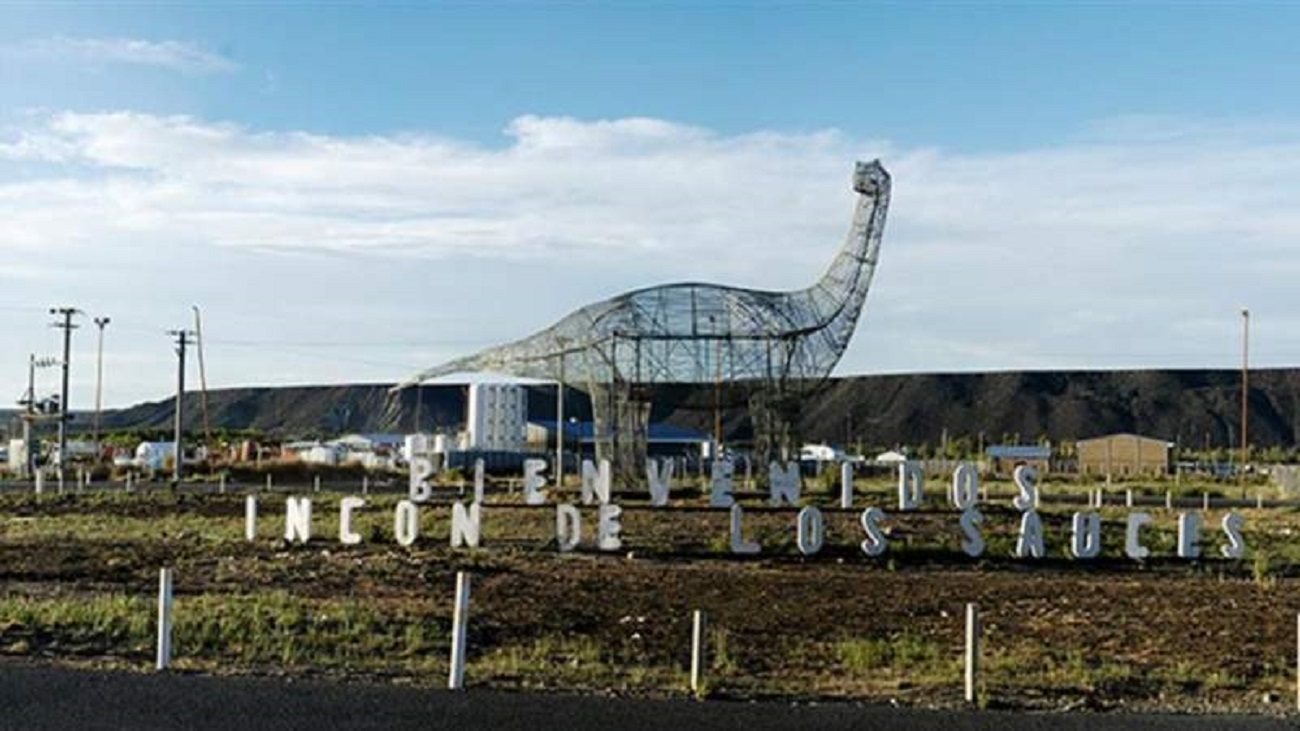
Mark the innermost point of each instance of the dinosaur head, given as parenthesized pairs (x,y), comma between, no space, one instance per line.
(870,178)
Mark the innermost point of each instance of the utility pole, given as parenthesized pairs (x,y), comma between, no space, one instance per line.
(182,339)
(100,322)
(203,379)
(1245,389)
(29,401)
(559,427)
(67,327)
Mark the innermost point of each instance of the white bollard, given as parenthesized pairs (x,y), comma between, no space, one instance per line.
(365,484)
(697,652)
(268,482)
(1205,501)
(1169,500)
(972,650)
(1128,498)
(459,621)
(164,619)
(316,484)
(39,484)
(846,485)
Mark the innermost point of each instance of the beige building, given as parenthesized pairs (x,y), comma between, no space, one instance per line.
(1123,455)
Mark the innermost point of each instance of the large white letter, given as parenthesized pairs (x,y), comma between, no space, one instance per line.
(347,505)
(812,531)
(608,528)
(534,482)
(421,471)
(250,517)
(660,476)
(973,544)
(466,525)
(1232,525)
(783,483)
(1026,479)
(1085,537)
(738,542)
(911,485)
(1189,535)
(568,527)
(1030,542)
(406,523)
(965,486)
(1133,547)
(722,484)
(876,543)
(595,485)
(297,519)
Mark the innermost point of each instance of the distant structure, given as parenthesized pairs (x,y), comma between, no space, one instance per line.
(1124,455)
(498,417)
(770,344)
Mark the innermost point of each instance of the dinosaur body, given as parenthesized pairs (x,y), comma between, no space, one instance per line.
(697,332)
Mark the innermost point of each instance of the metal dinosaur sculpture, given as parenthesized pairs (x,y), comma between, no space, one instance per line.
(701,333)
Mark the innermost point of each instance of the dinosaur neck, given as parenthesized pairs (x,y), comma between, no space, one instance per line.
(841,291)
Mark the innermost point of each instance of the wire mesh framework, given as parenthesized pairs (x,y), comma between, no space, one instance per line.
(775,342)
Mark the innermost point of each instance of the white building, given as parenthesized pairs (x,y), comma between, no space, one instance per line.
(498,417)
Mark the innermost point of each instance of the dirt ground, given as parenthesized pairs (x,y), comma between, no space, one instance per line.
(1106,634)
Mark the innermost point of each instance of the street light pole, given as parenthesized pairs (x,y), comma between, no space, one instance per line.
(100,322)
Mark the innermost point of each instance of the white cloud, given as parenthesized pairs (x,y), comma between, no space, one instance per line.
(175,55)
(1126,248)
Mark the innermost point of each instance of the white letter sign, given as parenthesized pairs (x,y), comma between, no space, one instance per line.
(721,484)
(1026,479)
(534,482)
(1232,525)
(1189,535)
(406,523)
(568,527)
(783,483)
(660,477)
(348,505)
(876,543)
(608,527)
(466,525)
(1133,547)
(965,486)
(1085,536)
(596,484)
(911,485)
(812,531)
(297,519)
(1030,542)
(738,542)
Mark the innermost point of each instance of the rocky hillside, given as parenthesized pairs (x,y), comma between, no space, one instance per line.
(1195,407)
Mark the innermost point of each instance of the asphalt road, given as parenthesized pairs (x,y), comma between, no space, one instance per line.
(43,697)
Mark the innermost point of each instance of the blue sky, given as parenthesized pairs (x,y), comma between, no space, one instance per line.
(353,193)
